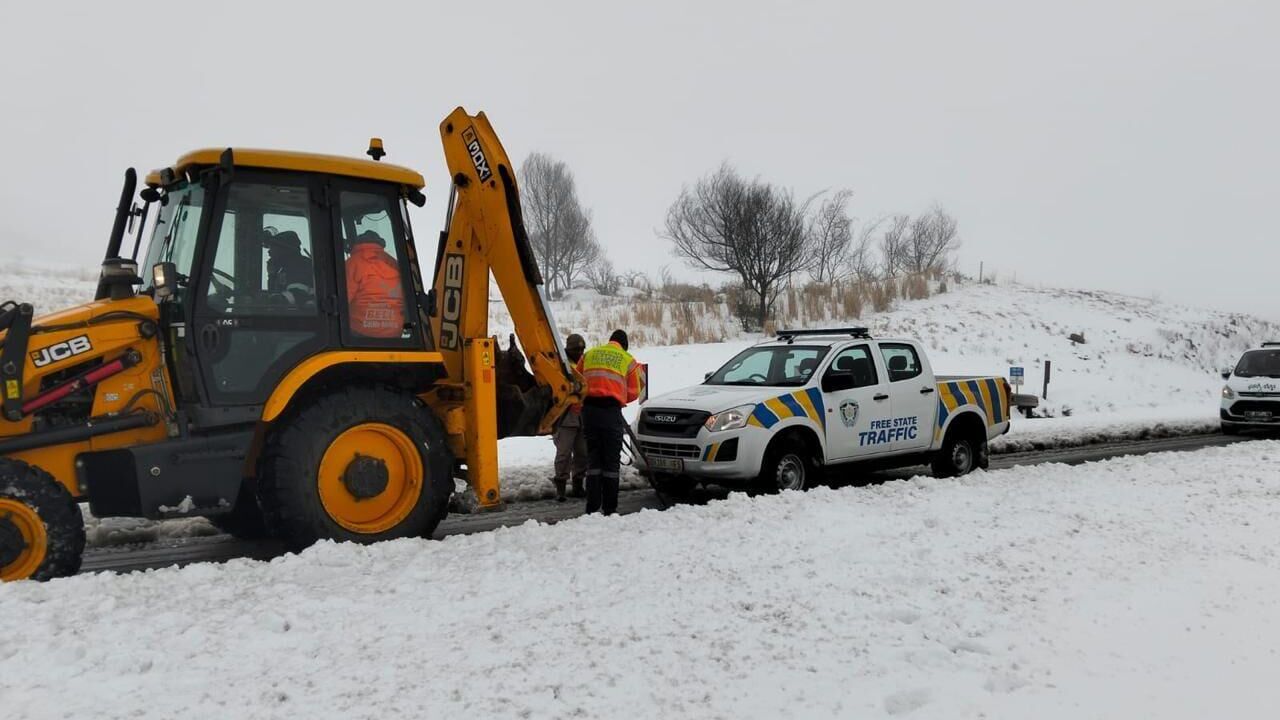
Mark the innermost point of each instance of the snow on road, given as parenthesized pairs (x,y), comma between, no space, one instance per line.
(1136,587)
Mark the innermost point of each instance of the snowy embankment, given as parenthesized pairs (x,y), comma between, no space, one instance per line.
(1136,587)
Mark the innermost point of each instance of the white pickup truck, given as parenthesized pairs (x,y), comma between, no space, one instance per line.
(781,409)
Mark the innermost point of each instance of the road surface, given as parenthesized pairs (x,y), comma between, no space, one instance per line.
(220,548)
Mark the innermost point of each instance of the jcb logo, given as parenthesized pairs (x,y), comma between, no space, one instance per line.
(477,153)
(452,311)
(61,351)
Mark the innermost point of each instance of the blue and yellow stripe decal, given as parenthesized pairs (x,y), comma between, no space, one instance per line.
(986,394)
(800,404)
(709,455)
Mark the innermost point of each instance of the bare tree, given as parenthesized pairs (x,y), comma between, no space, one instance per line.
(559,228)
(602,277)
(830,232)
(861,261)
(892,242)
(748,228)
(929,242)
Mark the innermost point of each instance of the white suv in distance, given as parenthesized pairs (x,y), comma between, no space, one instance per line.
(1251,397)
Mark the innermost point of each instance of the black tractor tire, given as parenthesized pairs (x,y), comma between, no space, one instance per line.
(56,510)
(961,453)
(289,470)
(246,520)
(788,465)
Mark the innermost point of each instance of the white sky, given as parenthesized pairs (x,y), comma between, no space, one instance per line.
(1120,145)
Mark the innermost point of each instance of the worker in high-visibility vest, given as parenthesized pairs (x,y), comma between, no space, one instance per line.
(571,443)
(614,379)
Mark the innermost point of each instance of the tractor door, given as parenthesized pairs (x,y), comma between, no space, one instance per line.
(262,278)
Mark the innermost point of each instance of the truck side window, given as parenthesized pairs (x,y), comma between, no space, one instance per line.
(857,362)
(901,360)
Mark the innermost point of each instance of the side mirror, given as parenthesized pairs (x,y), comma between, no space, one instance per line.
(1226,374)
(164,278)
(837,381)
(707,376)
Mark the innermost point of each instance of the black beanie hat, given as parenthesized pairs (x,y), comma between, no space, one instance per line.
(619,337)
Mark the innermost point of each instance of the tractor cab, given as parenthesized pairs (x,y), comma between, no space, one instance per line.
(259,259)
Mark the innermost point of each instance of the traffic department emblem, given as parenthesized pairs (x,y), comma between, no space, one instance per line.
(849,413)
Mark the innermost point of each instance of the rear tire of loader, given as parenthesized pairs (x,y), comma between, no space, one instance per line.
(362,464)
(41,528)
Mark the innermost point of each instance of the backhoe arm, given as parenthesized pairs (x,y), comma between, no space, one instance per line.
(485,234)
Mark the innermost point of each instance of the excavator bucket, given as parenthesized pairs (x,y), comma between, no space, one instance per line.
(522,402)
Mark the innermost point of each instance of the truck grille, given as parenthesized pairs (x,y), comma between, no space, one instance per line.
(669,450)
(1243,406)
(672,423)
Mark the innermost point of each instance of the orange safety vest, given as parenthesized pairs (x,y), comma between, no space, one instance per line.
(611,372)
(375,296)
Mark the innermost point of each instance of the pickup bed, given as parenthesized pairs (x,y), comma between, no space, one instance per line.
(779,410)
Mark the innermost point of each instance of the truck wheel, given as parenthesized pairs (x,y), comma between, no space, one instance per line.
(362,464)
(245,521)
(960,455)
(787,466)
(41,528)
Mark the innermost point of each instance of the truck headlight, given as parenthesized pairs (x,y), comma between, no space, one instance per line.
(1227,393)
(730,419)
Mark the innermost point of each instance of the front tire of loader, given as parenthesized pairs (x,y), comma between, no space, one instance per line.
(41,528)
(361,464)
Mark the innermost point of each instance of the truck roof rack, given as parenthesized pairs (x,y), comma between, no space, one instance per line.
(860,333)
(1273,343)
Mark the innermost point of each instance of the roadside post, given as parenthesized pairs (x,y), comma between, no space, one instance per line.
(1048,366)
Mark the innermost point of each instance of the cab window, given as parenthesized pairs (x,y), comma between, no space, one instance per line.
(173,237)
(857,363)
(262,262)
(901,361)
(372,270)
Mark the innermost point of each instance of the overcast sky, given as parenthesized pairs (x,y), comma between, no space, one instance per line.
(1129,146)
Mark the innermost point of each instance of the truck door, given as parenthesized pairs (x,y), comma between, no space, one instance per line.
(857,401)
(913,395)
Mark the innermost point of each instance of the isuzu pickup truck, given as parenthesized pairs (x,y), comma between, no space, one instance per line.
(779,411)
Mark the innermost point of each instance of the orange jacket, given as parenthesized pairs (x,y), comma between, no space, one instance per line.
(611,372)
(375,295)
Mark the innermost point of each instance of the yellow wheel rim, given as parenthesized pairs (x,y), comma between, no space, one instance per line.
(400,465)
(35,539)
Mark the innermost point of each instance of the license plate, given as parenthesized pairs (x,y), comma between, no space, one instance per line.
(1258,415)
(674,465)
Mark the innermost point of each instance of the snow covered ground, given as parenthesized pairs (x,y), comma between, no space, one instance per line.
(1136,587)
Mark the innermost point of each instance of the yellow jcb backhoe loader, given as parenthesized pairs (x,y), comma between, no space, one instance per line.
(283,370)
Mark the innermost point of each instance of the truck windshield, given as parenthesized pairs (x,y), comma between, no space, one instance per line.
(1259,363)
(780,365)
(173,239)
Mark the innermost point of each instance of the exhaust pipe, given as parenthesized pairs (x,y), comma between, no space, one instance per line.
(123,210)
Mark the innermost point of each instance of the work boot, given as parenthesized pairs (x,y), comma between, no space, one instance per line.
(559,490)
(577,491)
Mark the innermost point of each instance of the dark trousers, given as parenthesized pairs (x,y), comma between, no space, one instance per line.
(603,426)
